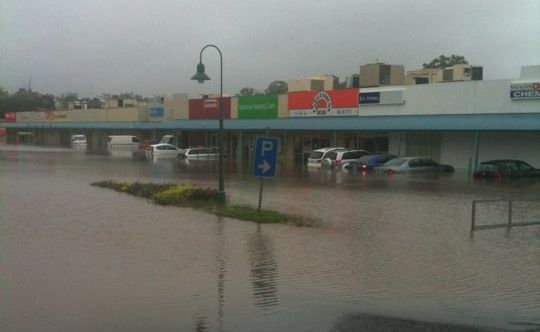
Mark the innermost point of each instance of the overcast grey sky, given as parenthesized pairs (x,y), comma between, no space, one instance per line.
(152,47)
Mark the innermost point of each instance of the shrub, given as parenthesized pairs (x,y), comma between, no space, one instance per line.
(146,190)
(245,212)
(186,195)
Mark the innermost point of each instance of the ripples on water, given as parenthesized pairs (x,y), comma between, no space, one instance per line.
(76,257)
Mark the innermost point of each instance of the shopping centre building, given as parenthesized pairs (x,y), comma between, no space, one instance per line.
(459,122)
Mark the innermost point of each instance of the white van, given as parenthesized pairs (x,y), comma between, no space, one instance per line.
(124,142)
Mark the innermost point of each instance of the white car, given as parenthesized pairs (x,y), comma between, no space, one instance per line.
(78,141)
(199,153)
(316,157)
(163,150)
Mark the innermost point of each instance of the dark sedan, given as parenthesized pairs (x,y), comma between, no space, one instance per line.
(506,168)
(368,162)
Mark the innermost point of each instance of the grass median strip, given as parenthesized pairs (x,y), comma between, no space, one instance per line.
(207,199)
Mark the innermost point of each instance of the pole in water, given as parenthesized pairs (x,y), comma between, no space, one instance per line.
(260,194)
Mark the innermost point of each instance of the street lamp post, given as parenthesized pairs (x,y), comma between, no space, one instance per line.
(200,77)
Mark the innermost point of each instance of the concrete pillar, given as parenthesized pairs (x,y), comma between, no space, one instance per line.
(399,143)
(240,148)
(476,149)
(284,145)
(97,142)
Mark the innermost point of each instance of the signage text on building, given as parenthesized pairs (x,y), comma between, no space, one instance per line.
(258,107)
(323,103)
(525,90)
(383,97)
(156,112)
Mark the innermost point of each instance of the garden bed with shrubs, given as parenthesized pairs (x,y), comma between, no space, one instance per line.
(208,199)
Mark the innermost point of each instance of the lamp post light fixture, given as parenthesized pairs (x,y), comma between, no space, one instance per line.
(200,77)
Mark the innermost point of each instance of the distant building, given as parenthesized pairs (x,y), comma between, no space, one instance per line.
(117,102)
(314,83)
(423,76)
(380,74)
(352,81)
(331,82)
(462,72)
(306,84)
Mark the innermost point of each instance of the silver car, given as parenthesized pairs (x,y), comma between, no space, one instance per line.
(413,164)
(317,157)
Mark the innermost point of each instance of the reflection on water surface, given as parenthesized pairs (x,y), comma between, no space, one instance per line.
(76,257)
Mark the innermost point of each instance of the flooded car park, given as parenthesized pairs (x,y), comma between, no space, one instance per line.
(76,257)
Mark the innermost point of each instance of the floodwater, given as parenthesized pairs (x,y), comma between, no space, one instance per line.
(74,257)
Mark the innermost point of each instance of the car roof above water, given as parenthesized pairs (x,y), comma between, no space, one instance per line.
(328,149)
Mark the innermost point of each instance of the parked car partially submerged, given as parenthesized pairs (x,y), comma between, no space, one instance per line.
(413,164)
(78,141)
(506,168)
(316,157)
(368,162)
(162,150)
(347,156)
(199,153)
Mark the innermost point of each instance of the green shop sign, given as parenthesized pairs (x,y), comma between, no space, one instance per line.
(258,107)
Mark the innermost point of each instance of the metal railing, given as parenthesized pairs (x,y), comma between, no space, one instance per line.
(509,223)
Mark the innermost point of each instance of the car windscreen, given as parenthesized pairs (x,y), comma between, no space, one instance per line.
(396,162)
(316,155)
(332,155)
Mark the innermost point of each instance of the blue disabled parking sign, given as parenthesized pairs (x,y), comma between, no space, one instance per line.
(265,157)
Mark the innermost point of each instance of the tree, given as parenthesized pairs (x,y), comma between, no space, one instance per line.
(66,98)
(4,96)
(247,92)
(24,100)
(446,61)
(276,88)
(94,103)
(47,102)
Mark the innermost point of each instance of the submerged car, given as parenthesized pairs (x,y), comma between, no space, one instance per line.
(78,141)
(316,157)
(199,153)
(347,156)
(162,150)
(368,162)
(506,168)
(413,164)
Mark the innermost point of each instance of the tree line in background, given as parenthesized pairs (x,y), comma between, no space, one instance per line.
(274,88)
